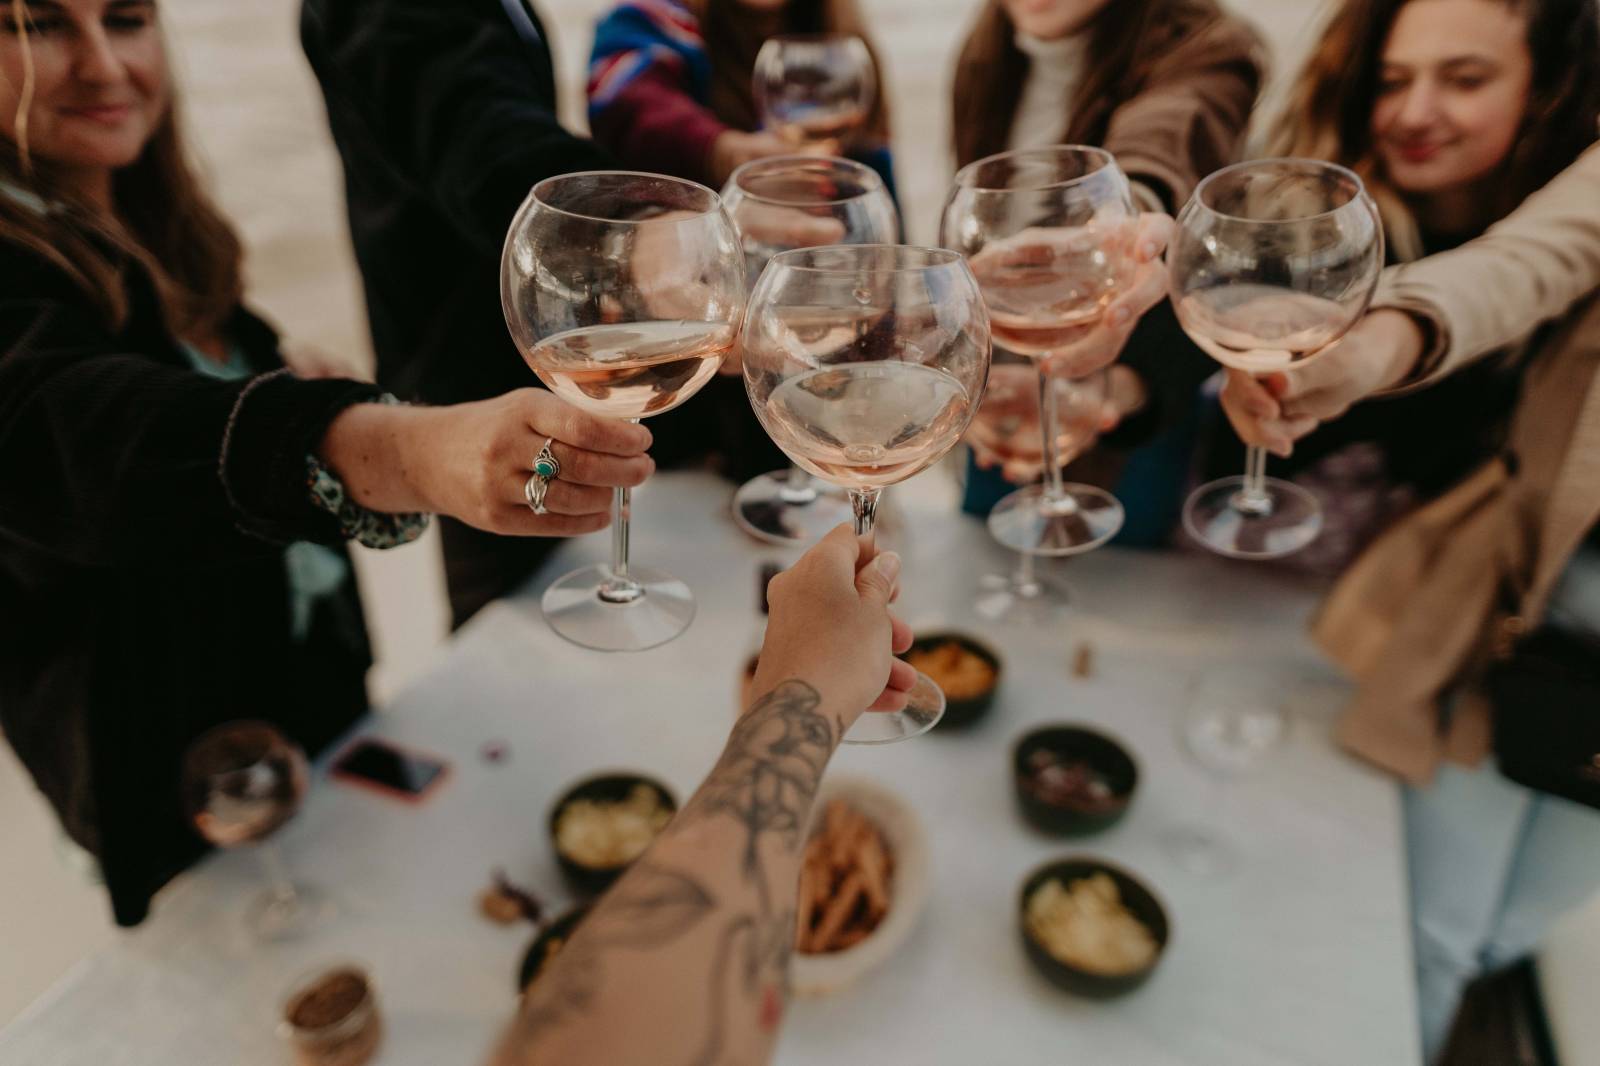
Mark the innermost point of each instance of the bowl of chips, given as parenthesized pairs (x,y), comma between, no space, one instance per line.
(1091,928)
(863,885)
(965,668)
(604,823)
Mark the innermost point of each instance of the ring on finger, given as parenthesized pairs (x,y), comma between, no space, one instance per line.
(546,468)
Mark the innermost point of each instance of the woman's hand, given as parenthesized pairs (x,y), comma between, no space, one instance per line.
(472,460)
(829,625)
(734,148)
(1276,410)
(1102,343)
(1005,433)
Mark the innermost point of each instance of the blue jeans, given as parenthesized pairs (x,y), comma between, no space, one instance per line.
(1493,865)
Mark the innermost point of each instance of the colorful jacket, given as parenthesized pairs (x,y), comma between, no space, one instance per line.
(649,82)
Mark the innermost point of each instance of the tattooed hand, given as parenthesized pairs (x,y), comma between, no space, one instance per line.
(828,618)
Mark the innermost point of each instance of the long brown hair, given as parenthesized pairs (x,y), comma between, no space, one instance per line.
(1330,111)
(165,222)
(1127,38)
(734,33)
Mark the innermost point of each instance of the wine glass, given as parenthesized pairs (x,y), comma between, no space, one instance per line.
(865,364)
(242,781)
(814,89)
(623,292)
(799,201)
(1235,720)
(1008,424)
(1272,262)
(1048,233)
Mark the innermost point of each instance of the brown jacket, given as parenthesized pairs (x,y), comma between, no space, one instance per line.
(1428,606)
(1180,113)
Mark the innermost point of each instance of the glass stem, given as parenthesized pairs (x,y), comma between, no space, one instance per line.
(277,873)
(621,588)
(1055,493)
(1253,499)
(1023,582)
(798,489)
(864,505)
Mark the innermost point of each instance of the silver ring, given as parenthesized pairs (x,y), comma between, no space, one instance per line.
(534,490)
(546,468)
(545,464)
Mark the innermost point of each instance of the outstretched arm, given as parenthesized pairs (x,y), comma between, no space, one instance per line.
(684,960)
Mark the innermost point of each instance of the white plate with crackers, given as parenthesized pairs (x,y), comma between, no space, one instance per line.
(863,885)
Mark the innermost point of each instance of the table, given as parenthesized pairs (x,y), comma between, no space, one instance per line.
(1299,956)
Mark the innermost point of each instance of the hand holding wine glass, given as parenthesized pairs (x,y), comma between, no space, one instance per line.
(242,781)
(865,363)
(1274,260)
(1277,410)
(623,292)
(815,90)
(1053,239)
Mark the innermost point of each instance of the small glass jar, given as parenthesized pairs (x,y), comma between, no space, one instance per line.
(331,1018)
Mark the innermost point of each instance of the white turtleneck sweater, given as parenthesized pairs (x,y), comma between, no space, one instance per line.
(1056,69)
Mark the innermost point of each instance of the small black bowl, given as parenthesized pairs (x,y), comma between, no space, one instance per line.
(605,788)
(1104,755)
(961,713)
(539,951)
(1139,901)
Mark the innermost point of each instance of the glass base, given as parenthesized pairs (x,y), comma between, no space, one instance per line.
(1082,520)
(660,611)
(770,508)
(1019,600)
(273,917)
(1234,739)
(1223,519)
(888,727)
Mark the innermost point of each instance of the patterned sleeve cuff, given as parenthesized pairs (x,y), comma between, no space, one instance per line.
(374,529)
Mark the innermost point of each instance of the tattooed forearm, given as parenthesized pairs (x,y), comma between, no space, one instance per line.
(769,774)
(712,903)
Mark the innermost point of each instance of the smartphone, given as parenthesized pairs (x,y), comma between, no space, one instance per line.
(393,771)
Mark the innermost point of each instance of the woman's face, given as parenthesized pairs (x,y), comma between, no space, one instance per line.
(1051,19)
(99,79)
(1452,92)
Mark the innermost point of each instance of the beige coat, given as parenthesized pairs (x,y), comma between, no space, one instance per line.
(1434,599)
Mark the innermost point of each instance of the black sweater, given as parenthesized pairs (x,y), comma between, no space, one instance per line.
(444,114)
(144,509)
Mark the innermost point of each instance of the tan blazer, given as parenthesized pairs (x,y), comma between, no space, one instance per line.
(1427,607)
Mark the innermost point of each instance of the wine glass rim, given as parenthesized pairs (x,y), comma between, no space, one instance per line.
(935,258)
(964,176)
(712,208)
(1304,161)
(860,170)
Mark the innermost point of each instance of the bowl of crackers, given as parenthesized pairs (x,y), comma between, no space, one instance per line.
(1091,928)
(604,823)
(863,885)
(965,668)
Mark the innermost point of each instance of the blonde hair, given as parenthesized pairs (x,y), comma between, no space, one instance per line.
(164,222)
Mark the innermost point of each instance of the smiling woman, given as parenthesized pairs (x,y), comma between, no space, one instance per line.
(92,116)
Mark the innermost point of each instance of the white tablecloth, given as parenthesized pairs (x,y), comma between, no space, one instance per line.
(1298,956)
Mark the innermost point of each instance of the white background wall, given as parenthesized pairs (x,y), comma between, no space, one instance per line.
(260,131)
